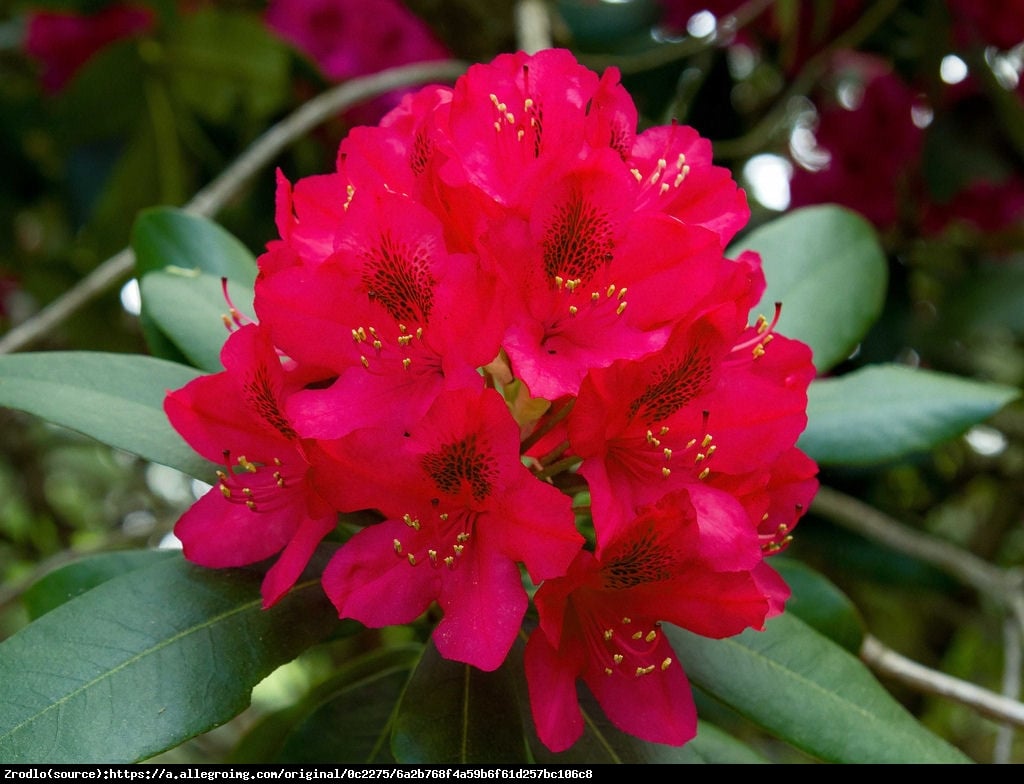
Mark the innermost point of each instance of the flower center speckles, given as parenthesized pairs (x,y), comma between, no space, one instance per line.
(260,486)
(397,275)
(459,465)
(674,385)
(259,394)
(641,559)
(439,541)
(578,241)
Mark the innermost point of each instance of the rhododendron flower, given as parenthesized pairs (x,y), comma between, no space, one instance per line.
(63,41)
(501,282)
(392,313)
(461,511)
(601,622)
(264,502)
(719,401)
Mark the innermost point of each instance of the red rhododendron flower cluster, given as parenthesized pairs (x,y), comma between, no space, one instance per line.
(506,298)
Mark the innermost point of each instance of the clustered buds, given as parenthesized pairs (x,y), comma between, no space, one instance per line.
(507,307)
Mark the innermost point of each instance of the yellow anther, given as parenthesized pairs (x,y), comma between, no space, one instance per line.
(607,671)
(704,474)
(251,505)
(250,467)
(458,548)
(559,281)
(449,562)
(667,452)
(699,457)
(622,292)
(620,308)
(610,291)
(758,351)
(637,635)
(651,636)
(405,363)
(608,634)
(665,187)
(433,556)
(573,310)
(225,491)
(404,340)
(398,546)
(617,658)
(443,516)
(666,664)
(412,559)
(419,333)
(636,173)
(377,345)
(462,537)
(364,361)
(627,619)
(666,472)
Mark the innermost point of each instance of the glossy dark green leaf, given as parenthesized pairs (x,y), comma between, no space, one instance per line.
(827,268)
(347,718)
(454,713)
(76,578)
(809,692)
(145,661)
(189,308)
(820,604)
(883,412)
(114,398)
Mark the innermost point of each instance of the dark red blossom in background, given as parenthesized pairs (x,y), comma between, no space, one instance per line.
(63,41)
(871,145)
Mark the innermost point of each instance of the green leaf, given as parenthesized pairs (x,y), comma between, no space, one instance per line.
(145,661)
(883,412)
(227,66)
(827,268)
(167,237)
(76,578)
(820,604)
(189,307)
(809,692)
(179,321)
(114,398)
(347,718)
(454,713)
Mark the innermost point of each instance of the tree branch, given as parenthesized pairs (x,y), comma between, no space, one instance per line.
(215,195)
(887,662)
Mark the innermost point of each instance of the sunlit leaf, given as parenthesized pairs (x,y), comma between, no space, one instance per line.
(883,412)
(827,268)
(809,692)
(145,661)
(114,398)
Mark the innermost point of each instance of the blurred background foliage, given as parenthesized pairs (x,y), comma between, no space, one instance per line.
(911,113)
